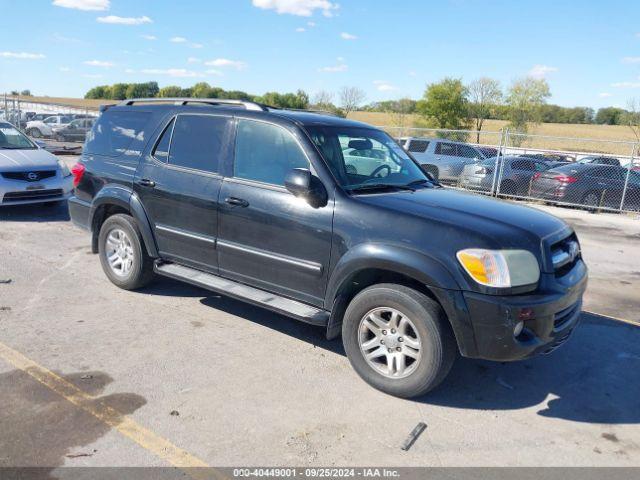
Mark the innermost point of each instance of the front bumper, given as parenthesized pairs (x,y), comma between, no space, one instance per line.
(18,192)
(549,317)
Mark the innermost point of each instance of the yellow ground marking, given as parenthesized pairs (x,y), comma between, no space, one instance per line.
(128,427)
(617,319)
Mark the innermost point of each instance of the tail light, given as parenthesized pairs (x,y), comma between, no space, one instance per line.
(565,179)
(77,171)
(536,175)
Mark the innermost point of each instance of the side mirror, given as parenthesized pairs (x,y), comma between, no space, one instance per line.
(298,182)
(301,183)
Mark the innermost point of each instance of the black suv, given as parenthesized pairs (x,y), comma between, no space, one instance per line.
(331,222)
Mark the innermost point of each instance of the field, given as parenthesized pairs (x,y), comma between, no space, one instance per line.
(605,135)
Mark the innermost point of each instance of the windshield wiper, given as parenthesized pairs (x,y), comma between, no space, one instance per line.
(10,147)
(380,186)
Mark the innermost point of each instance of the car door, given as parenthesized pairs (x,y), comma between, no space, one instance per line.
(267,237)
(179,182)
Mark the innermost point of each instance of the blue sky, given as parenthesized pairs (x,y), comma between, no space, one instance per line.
(589,51)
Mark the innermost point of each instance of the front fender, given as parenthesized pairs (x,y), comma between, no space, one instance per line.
(423,268)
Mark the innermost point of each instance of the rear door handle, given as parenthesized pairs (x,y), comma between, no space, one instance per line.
(145,182)
(239,202)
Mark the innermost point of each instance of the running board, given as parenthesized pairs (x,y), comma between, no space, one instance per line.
(285,306)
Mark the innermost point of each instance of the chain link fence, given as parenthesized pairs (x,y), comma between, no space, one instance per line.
(581,172)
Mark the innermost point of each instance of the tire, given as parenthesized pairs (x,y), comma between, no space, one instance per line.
(132,252)
(508,188)
(60,138)
(591,200)
(35,133)
(429,326)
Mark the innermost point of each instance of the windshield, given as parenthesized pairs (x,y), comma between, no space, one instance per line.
(365,156)
(12,139)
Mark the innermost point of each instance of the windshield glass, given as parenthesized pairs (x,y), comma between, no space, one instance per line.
(365,156)
(12,139)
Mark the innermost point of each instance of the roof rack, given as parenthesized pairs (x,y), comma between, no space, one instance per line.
(209,101)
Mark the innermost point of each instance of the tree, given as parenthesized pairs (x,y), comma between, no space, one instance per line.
(202,90)
(170,91)
(399,111)
(525,99)
(609,116)
(322,99)
(142,90)
(631,117)
(25,93)
(350,99)
(99,92)
(445,104)
(484,94)
(118,91)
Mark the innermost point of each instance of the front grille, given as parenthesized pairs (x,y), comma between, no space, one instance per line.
(32,195)
(564,254)
(563,316)
(30,176)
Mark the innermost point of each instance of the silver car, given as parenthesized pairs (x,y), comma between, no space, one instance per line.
(444,159)
(28,173)
(514,176)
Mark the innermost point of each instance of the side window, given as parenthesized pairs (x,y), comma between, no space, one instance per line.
(198,141)
(418,146)
(443,148)
(161,152)
(523,165)
(114,132)
(467,152)
(541,166)
(266,153)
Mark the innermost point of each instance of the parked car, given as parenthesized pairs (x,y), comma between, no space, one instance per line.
(76,131)
(44,128)
(600,160)
(259,204)
(555,159)
(28,173)
(443,159)
(514,174)
(588,184)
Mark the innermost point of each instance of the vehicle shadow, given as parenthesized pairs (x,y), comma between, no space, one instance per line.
(39,212)
(594,378)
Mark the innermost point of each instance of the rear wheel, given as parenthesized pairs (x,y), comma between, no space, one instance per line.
(34,132)
(591,199)
(122,253)
(398,340)
(508,188)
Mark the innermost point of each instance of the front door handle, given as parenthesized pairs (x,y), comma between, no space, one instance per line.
(239,202)
(145,182)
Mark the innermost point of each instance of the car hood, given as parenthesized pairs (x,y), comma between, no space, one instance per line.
(505,222)
(26,159)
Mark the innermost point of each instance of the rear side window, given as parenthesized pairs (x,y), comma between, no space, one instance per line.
(467,152)
(266,153)
(523,165)
(114,131)
(446,149)
(198,141)
(161,152)
(418,146)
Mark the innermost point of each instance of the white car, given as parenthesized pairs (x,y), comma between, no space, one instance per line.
(44,128)
(28,173)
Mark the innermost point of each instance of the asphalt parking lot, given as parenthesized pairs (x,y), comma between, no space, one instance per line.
(91,375)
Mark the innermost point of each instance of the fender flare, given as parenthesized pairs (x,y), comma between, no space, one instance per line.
(128,200)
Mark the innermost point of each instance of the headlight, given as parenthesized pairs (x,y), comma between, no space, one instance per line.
(64,169)
(500,268)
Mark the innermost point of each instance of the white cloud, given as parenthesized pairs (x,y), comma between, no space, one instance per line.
(22,55)
(114,19)
(541,71)
(99,63)
(212,71)
(178,40)
(302,8)
(172,72)
(196,45)
(193,60)
(626,85)
(605,94)
(83,4)
(340,67)
(64,69)
(149,37)
(301,29)
(225,62)
(412,73)
(311,24)
(92,75)
(129,70)
(631,60)
(347,36)
(384,86)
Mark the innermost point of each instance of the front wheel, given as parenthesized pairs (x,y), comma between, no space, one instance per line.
(398,340)
(34,133)
(122,253)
